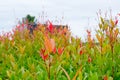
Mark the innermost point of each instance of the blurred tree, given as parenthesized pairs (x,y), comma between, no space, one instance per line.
(30,19)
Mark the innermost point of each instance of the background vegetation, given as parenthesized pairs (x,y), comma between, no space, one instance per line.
(53,54)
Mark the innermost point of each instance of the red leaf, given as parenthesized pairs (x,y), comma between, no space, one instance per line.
(60,51)
(119,14)
(44,57)
(88,33)
(50,26)
(105,78)
(81,52)
(54,50)
(42,51)
(89,59)
(116,22)
(80,44)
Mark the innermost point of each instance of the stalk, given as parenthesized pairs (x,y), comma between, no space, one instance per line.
(49,68)
(112,49)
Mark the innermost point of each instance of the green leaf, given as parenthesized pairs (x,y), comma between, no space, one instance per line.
(67,75)
(102,20)
(93,76)
(0,78)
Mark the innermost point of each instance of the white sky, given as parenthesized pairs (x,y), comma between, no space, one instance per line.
(78,14)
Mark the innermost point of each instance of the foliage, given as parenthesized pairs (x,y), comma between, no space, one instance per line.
(53,54)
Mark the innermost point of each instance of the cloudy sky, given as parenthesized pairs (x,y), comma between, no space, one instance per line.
(78,14)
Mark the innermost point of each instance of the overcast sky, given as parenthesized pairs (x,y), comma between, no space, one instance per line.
(78,14)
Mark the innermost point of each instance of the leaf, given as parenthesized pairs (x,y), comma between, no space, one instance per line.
(105,26)
(22,49)
(25,75)
(52,43)
(0,78)
(78,73)
(112,23)
(98,38)
(49,44)
(93,76)
(50,26)
(65,73)
(102,20)
(116,32)
(12,58)
(100,26)
(80,76)
(8,73)
(15,66)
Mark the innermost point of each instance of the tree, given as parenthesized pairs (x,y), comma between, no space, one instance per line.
(30,19)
